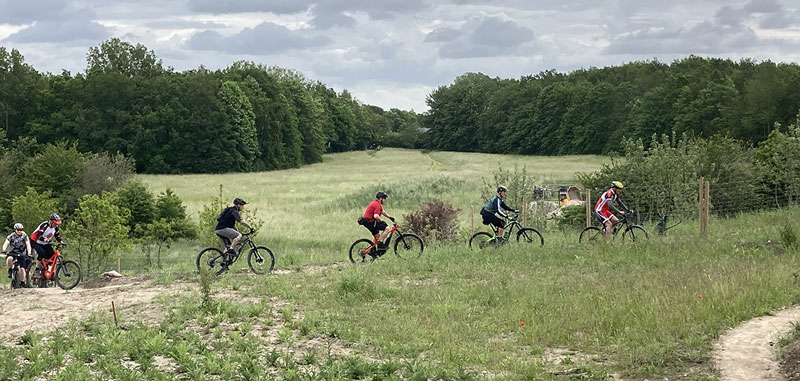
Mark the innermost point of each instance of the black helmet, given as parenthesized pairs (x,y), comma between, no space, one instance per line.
(380,195)
(501,188)
(238,201)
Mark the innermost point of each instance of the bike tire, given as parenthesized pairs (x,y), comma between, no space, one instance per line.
(480,240)
(530,235)
(634,233)
(357,254)
(591,235)
(39,280)
(211,259)
(68,275)
(260,260)
(408,246)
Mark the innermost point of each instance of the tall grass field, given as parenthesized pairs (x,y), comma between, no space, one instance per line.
(565,311)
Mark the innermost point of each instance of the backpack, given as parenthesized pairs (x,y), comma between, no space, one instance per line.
(362,220)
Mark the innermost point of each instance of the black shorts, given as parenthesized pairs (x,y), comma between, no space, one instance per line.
(376,227)
(490,218)
(23,260)
(43,251)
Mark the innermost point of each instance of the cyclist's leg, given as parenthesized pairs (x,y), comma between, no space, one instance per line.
(9,264)
(376,234)
(39,252)
(383,228)
(230,237)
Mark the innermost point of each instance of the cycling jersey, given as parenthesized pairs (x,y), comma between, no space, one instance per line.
(496,205)
(16,243)
(606,202)
(228,218)
(375,207)
(45,233)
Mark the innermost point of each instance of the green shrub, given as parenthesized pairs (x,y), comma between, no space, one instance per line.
(140,203)
(402,195)
(778,162)
(103,172)
(572,216)
(435,220)
(518,181)
(32,208)
(97,230)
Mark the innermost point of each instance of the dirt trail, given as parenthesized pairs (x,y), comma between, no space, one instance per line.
(23,309)
(747,353)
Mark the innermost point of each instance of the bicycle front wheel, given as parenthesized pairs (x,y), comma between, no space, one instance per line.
(480,240)
(530,235)
(408,245)
(68,275)
(261,260)
(211,260)
(16,282)
(591,235)
(358,251)
(634,233)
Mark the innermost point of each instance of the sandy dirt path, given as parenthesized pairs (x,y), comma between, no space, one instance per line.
(747,353)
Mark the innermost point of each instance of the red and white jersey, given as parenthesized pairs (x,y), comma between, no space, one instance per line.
(45,233)
(605,201)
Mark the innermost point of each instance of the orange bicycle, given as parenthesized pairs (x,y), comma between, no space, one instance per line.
(407,245)
(66,274)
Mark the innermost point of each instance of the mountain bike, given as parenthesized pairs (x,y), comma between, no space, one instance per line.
(407,245)
(259,258)
(482,240)
(64,273)
(16,282)
(630,231)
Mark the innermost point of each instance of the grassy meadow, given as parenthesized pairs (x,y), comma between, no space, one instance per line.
(650,310)
(309,214)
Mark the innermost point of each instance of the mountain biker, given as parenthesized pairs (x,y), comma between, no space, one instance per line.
(41,237)
(20,250)
(497,205)
(226,225)
(373,223)
(604,205)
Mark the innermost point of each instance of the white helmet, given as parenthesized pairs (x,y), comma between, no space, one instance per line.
(18,226)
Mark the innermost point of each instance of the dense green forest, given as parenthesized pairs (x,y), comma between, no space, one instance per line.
(247,117)
(591,111)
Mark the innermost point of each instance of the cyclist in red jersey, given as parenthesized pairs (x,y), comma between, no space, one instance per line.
(604,205)
(373,223)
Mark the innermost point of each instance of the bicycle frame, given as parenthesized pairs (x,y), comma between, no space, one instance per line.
(393,229)
(245,241)
(511,223)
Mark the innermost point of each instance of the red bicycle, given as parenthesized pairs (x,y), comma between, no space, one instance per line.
(407,245)
(66,274)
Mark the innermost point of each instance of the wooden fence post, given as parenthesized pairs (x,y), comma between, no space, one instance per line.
(588,207)
(472,220)
(702,206)
(707,206)
(119,270)
(524,209)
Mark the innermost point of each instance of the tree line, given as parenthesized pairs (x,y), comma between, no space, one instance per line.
(592,111)
(246,117)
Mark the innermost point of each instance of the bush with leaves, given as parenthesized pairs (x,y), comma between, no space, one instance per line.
(171,223)
(97,231)
(137,199)
(778,163)
(170,207)
(32,207)
(518,181)
(103,172)
(435,220)
(55,169)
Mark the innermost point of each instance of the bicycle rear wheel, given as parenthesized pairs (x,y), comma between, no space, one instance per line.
(261,260)
(358,251)
(481,240)
(530,235)
(591,235)
(212,260)
(68,275)
(408,245)
(634,233)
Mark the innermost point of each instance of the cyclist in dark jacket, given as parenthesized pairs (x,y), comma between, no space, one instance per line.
(20,250)
(226,224)
(496,205)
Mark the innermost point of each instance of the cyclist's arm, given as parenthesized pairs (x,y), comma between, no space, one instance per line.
(241,221)
(622,204)
(386,214)
(28,245)
(5,245)
(503,204)
(500,205)
(57,236)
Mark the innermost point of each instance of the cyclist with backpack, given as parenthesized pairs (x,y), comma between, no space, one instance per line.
(20,251)
(497,205)
(226,225)
(602,209)
(43,235)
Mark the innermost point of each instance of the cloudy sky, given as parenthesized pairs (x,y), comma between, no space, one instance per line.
(392,53)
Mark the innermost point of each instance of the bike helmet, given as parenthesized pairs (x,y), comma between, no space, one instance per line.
(238,201)
(617,184)
(55,218)
(501,188)
(380,195)
(18,226)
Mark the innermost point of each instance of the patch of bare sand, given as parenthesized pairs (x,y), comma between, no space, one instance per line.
(747,352)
